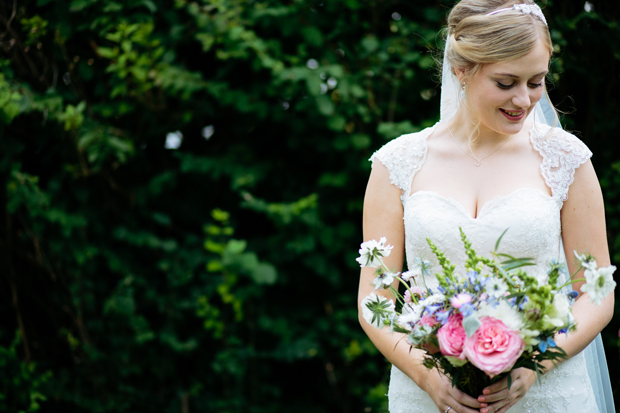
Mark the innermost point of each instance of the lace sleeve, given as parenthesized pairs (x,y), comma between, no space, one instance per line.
(562,154)
(403,157)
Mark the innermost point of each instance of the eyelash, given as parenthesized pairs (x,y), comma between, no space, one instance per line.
(532,85)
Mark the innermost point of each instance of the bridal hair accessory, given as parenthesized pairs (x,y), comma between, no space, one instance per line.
(478,161)
(524,8)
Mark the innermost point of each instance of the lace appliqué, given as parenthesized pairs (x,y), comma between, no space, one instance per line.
(562,154)
(403,157)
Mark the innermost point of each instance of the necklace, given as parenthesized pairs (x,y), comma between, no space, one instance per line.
(478,160)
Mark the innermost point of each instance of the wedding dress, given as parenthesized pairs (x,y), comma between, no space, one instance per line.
(533,219)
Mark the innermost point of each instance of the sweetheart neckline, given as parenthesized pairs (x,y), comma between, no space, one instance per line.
(487,205)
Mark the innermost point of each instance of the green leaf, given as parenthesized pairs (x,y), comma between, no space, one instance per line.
(264,273)
(235,246)
(150,5)
(471,324)
(500,239)
(336,123)
(325,105)
(370,43)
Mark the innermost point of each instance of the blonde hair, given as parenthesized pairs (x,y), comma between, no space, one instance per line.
(477,39)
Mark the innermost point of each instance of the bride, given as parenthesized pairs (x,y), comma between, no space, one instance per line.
(497,159)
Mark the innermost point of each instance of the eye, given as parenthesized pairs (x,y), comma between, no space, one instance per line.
(536,85)
(503,86)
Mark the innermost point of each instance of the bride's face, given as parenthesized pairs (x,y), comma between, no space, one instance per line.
(503,94)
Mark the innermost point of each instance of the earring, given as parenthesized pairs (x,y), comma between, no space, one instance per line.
(463,91)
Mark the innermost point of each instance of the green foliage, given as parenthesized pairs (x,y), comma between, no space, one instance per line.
(20,381)
(206,276)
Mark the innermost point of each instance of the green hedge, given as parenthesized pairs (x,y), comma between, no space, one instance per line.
(182,184)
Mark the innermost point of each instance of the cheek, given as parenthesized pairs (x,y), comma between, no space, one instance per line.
(536,95)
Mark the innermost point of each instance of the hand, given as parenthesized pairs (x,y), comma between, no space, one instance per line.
(497,398)
(440,389)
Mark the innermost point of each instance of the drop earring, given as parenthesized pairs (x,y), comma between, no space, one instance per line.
(463,91)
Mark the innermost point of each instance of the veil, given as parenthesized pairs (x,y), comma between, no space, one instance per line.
(544,113)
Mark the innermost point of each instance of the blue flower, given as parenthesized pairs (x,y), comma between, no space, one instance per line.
(431,309)
(443,316)
(523,302)
(560,266)
(423,265)
(492,301)
(563,331)
(473,276)
(546,343)
(466,309)
(573,294)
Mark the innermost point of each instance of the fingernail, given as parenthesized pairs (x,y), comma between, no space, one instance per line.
(481,399)
(484,411)
(483,405)
(486,391)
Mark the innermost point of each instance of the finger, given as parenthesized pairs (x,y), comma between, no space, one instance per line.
(505,408)
(493,397)
(456,407)
(497,407)
(495,387)
(465,399)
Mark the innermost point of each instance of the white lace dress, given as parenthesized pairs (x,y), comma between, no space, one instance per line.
(533,219)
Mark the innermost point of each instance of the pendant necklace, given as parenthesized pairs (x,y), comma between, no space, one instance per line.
(478,160)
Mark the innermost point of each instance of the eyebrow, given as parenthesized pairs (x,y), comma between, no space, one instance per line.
(515,76)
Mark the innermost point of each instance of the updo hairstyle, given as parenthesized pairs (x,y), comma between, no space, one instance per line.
(477,39)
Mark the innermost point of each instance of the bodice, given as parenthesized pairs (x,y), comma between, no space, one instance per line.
(430,215)
(531,216)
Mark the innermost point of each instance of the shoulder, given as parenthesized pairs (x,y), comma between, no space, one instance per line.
(559,145)
(403,156)
(562,154)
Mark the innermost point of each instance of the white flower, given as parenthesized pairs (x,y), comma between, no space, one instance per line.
(559,314)
(375,309)
(495,287)
(433,299)
(561,307)
(503,312)
(385,279)
(372,251)
(410,316)
(411,274)
(588,262)
(599,283)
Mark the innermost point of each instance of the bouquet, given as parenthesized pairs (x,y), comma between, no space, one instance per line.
(478,326)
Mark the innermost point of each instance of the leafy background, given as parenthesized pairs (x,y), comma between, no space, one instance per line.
(181,187)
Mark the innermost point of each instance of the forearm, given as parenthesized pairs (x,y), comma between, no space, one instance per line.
(590,320)
(396,350)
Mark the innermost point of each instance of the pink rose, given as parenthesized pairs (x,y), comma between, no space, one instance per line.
(427,320)
(451,336)
(493,348)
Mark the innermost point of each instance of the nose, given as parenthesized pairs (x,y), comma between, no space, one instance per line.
(521,98)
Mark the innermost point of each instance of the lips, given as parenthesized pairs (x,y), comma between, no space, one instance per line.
(513,115)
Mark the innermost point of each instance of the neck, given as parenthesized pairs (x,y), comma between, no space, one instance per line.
(464,130)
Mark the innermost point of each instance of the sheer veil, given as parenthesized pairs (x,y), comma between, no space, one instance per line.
(545,114)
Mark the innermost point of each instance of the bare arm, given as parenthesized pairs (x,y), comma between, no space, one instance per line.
(583,230)
(383,217)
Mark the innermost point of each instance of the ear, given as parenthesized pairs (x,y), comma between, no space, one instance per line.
(460,74)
